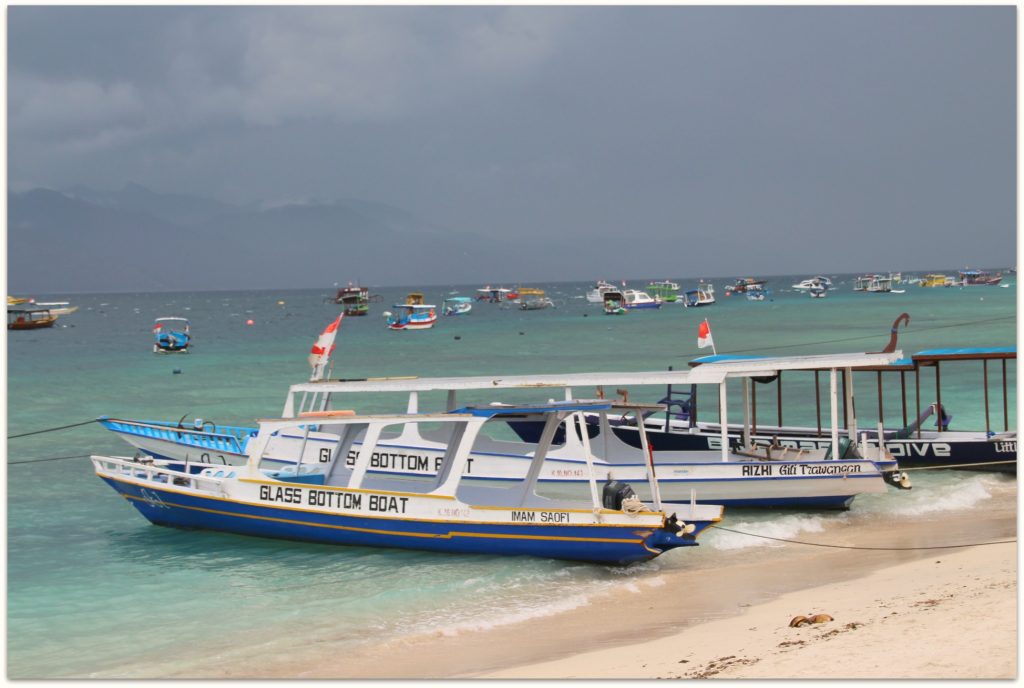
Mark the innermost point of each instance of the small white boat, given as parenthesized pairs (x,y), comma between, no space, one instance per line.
(596,295)
(817,282)
(457,305)
(635,299)
(703,295)
(57,307)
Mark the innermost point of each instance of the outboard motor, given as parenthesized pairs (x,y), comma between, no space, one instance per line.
(615,493)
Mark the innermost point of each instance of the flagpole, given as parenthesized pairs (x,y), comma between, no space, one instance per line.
(711,337)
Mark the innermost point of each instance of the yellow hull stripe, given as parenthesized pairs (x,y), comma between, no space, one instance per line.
(376,531)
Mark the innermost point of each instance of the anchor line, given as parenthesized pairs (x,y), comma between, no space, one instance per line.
(852,339)
(62,427)
(882,549)
(52,458)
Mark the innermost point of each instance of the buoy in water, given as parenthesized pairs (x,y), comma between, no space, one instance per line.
(250,321)
(457,337)
(176,371)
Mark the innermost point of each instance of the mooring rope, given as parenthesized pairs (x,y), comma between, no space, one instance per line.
(62,427)
(52,458)
(881,549)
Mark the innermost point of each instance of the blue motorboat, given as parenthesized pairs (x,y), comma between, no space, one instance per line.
(172,335)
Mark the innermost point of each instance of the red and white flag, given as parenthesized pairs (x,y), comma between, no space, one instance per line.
(321,352)
(704,336)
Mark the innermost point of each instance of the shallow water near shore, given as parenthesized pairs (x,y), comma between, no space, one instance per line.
(94,590)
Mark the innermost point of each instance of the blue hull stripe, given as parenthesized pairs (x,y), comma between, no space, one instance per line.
(580,543)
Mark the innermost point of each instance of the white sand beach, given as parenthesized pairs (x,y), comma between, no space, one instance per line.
(899,611)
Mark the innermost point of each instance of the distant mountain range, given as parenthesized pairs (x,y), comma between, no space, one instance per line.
(135,239)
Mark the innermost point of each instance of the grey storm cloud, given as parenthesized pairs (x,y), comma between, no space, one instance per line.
(781,130)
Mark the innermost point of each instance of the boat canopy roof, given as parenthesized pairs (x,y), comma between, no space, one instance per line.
(897,364)
(704,374)
(421,306)
(926,357)
(975,354)
(459,299)
(184,320)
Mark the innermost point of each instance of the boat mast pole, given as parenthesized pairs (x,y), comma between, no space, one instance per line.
(938,394)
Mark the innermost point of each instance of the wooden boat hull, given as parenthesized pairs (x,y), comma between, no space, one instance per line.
(32,324)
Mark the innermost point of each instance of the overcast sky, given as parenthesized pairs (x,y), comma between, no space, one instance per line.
(806,138)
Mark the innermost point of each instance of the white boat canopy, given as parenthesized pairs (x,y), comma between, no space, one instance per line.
(309,396)
(709,373)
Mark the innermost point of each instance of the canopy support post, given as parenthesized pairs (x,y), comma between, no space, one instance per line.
(834,408)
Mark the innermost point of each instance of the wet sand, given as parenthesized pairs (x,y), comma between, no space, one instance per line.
(728,615)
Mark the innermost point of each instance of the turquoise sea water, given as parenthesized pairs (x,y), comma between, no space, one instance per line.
(88,576)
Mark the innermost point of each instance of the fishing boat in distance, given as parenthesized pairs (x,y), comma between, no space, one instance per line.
(756,293)
(337,501)
(29,318)
(936,280)
(746,283)
(665,290)
(634,299)
(414,314)
(876,284)
(534,299)
(812,283)
(596,294)
(703,295)
(493,294)
(979,278)
(457,305)
(172,335)
(57,307)
(614,303)
(355,299)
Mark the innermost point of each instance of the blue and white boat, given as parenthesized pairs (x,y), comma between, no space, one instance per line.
(635,299)
(728,472)
(703,295)
(414,314)
(172,335)
(812,283)
(457,305)
(334,501)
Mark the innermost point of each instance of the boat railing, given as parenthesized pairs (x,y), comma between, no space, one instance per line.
(144,469)
(223,438)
